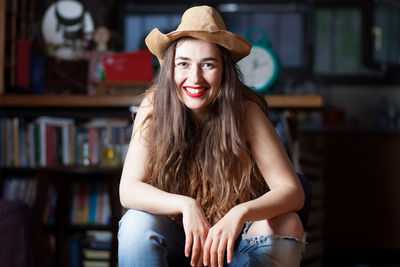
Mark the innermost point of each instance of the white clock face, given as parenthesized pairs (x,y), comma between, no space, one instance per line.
(258,68)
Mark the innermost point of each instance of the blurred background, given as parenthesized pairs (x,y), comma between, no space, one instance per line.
(71,77)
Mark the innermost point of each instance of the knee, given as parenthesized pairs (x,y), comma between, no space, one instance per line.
(288,224)
(136,229)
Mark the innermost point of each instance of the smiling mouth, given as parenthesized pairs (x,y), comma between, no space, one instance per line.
(195,91)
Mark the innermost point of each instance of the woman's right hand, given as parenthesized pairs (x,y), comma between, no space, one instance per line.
(196,229)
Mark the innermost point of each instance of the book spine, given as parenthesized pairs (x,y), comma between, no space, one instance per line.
(66,139)
(42,144)
(3,142)
(16,142)
(93,202)
(31,144)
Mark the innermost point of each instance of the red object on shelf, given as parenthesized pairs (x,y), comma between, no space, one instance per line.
(129,67)
(23,56)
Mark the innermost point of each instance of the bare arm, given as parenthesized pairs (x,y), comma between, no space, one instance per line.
(134,191)
(285,193)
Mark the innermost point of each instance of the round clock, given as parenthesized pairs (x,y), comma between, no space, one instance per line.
(260,68)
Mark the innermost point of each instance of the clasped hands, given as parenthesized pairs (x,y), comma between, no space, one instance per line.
(205,244)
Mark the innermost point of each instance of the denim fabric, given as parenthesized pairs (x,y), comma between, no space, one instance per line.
(148,240)
(267,250)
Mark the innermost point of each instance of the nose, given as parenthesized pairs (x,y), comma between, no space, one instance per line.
(195,75)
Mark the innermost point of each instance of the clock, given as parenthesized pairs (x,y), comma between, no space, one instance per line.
(261,67)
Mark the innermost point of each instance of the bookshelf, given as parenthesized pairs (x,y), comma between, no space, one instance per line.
(51,239)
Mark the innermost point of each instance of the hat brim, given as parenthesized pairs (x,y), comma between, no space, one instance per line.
(157,42)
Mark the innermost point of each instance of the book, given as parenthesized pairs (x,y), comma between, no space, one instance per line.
(47,137)
(75,250)
(94,263)
(95,254)
(98,239)
(20,189)
(15,141)
(93,195)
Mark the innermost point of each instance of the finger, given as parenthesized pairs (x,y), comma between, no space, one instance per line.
(229,250)
(206,251)
(188,244)
(221,251)
(196,249)
(200,259)
(203,241)
(214,252)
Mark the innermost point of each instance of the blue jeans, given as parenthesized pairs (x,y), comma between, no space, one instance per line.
(148,240)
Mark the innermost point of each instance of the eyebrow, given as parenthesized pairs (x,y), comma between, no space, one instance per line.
(203,59)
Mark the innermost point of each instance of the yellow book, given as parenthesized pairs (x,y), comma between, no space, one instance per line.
(97,254)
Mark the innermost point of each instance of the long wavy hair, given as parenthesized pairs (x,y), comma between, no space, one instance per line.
(210,162)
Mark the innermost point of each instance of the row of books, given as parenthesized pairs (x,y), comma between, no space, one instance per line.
(97,250)
(20,189)
(50,141)
(24,190)
(91,204)
(91,250)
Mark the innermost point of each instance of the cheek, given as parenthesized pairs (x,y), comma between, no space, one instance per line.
(216,80)
(179,77)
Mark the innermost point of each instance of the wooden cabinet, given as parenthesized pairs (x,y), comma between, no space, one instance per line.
(360,176)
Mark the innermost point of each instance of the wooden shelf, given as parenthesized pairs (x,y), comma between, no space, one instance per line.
(69,170)
(295,101)
(14,100)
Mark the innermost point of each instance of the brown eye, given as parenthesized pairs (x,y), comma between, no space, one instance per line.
(182,64)
(208,66)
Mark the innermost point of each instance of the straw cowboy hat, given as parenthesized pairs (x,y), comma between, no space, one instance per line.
(202,22)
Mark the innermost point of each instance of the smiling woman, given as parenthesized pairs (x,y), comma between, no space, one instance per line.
(205,175)
(197,74)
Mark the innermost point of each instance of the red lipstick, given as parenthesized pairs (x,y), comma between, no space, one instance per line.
(197,91)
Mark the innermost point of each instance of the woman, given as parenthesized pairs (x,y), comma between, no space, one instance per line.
(205,175)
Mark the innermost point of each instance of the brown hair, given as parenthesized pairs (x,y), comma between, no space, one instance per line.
(211,162)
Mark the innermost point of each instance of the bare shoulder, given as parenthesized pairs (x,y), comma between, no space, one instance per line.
(256,122)
(145,108)
(251,107)
(147,103)
(253,114)
(143,111)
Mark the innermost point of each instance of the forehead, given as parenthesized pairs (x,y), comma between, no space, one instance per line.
(196,47)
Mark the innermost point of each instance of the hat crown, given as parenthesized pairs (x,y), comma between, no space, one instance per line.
(201,18)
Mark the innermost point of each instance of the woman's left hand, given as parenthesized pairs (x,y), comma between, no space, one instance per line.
(221,237)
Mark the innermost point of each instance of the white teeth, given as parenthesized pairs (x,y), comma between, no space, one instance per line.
(194,91)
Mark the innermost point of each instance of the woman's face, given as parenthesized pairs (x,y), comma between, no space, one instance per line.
(198,75)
